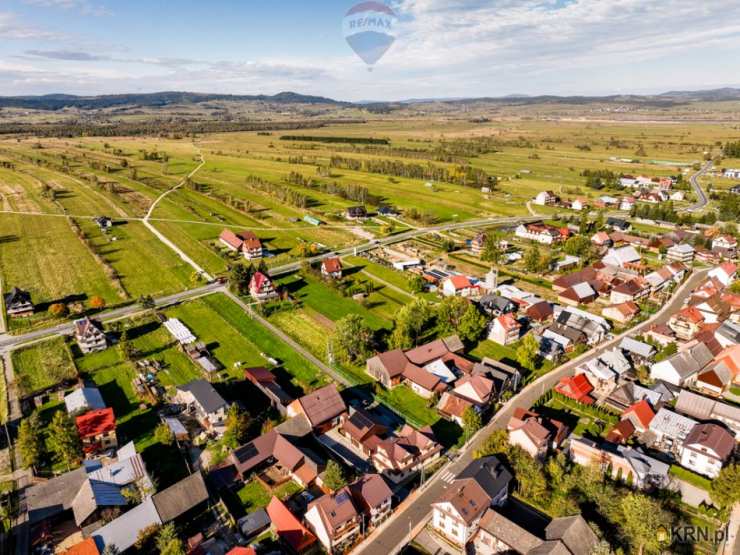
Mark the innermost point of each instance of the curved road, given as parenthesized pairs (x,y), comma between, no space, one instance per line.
(408,519)
(700,195)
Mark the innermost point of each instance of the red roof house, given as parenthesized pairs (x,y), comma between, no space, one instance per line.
(288,527)
(576,388)
(640,414)
(332,267)
(97,430)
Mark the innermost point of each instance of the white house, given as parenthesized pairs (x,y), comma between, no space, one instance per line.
(459,286)
(682,367)
(683,252)
(706,449)
(545,197)
(725,273)
(505,329)
(621,256)
(726,245)
(541,233)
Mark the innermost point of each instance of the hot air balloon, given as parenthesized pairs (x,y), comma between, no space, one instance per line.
(368,29)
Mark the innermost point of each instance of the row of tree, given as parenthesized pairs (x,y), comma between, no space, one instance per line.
(283,193)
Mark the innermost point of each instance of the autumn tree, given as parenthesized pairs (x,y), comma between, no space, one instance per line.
(237,423)
(97,302)
(163,434)
(167,541)
(641,518)
(58,310)
(352,339)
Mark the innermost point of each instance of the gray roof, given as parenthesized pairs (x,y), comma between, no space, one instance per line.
(704,408)
(490,474)
(509,532)
(671,424)
(123,531)
(94,494)
(638,347)
(253,523)
(206,396)
(730,331)
(49,498)
(180,497)
(574,532)
(688,362)
(84,398)
(643,465)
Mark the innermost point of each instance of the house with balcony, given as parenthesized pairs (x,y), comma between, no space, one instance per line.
(668,431)
(707,448)
(483,484)
(373,499)
(18,303)
(89,335)
(97,431)
(683,253)
(725,246)
(245,242)
(686,323)
(402,455)
(203,402)
(331,267)
(536,434)
(261,288)
(334,520)
(539,233)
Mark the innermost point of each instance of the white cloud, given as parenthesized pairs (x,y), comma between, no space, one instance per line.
(85,7)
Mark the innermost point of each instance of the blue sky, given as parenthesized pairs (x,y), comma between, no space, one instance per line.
(443,48)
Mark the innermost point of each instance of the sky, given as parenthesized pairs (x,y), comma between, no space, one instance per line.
(441,49)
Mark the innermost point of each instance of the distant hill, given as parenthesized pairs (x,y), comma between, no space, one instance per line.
(158,99)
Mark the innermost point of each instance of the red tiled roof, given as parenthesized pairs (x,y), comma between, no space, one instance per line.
(421,377)
(259,280)
(85,547)
(250,240)
(508,322)
(332,265)
(96,422)
(628,308)
(621,432)
(460,282)
(288,527)
(643,411)
(242,551)
(692,314)
(230,238)
(576,387)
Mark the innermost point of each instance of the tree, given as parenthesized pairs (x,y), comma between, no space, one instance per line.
(578,245)
(641,518)
(412,321)
(29,441)
(58,309)
(528,352)
(97,302)
(240,277)
(167,541)
(237,423)
(147,302)
(163,434)
(334,478)
(725,489)
(450,312)
(495,444)
(63,440)
(352,339)
(416,284)
(111,549)
(492,248)
(471,422)
(532,259)
(472,324)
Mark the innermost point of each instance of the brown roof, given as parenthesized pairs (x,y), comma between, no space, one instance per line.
(260,449)
(468,498)
(621,432)
(711,436)
(250,240)
(335,509)
(229,237)
(540,311)
(588,274)
(453,405)
(180,497)
(394,362)
(359,425)
(259,375)
(422,378)
(323,404)
(482,386)
(332,265)
(370,491)
(428,352)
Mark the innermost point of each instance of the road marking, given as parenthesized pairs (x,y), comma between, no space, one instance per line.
(447,476)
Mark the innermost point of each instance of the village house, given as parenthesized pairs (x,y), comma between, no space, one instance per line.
(539,232)
(245,242)
(373,499)
(725,246)
(622,257)
(630,291)
(569,535)
(622,313)
(540,312)
(97,431)
(681,368)
(640,415)
(334,520)
(638,352)
(402,455)
(483,484)
(361,431)
(323,408)
(535,434)
(721,374)
(579,204)
(703,409)
(589,328)
(544,198)
(682,252)
(630,393)
(725,273)
(505,329)
(18,303)
(266,382)
(203,402)
(478,243)
(331,267)
(496,305)
(707,448)
(601,239)
(577,388)
(276,460)
(581,293)
(668,430)
(686,323)
(356,213)
(295,537)
(261,288)
(666,277)
(475,392)
(460,286)
(625,463)
(90,336)
(617,224)
(439,358)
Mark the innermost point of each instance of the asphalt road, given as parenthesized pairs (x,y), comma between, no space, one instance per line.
(8,342)
(700,195)
(396,532)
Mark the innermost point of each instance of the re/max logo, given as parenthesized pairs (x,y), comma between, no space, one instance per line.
(375,22)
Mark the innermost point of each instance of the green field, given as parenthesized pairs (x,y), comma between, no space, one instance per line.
(42,365)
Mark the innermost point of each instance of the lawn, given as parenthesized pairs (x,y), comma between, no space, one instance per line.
(43,365)
(691,477)
(233,337)
(253,495)
(312,292)
(507,355)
